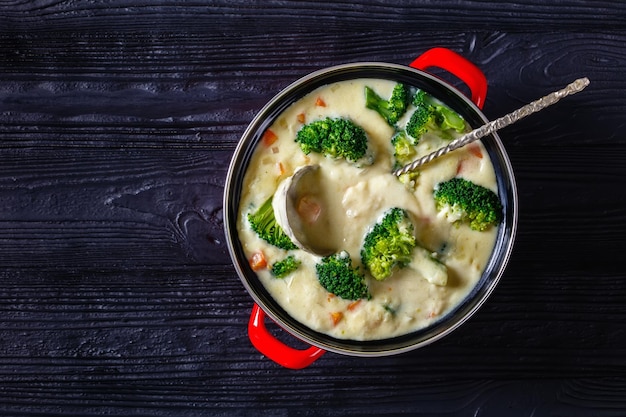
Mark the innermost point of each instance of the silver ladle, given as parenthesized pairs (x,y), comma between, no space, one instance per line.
(312,234)
(299,206)
(503,121)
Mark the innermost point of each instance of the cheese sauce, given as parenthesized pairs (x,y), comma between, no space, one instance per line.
(357,197)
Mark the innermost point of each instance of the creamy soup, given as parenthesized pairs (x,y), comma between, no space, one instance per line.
(357,197)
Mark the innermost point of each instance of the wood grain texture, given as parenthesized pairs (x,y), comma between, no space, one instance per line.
(302,16)
(117,294)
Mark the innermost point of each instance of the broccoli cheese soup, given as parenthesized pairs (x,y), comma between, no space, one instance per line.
(356,195)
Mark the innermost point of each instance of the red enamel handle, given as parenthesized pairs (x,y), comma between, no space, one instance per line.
(457,65)
(275,349)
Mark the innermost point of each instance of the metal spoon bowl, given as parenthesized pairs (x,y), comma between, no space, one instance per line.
(301,211)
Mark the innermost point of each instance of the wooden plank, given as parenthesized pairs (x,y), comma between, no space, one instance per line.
(273,16)
(117,294)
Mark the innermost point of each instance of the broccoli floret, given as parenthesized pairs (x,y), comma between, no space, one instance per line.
(448,119)
(420,120)
(388,244)
(336,138)
(393,109)
(337,275)
(263,222)
(310,136)
(403,149)
(409,179)
(285,267)
(404,152)
(463,201)
(391,244)
(430,113)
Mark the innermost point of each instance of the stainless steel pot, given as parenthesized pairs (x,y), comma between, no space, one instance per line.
(414,75)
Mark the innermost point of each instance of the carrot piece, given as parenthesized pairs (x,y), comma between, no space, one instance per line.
(280,168)
(354,305)
(308,209)
(269,137)
(301,118)
(258,261)
(336,317)
(468,163)
(475,150)
(459,167)
(320,102)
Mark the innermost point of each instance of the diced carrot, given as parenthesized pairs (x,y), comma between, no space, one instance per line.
(459,167)
(301,117)
(269,137)
(280,168)
(468,163)
(330,296)
(354,305)
(320,102)
(258,261)
(336,317)
(475,150)
(308,209)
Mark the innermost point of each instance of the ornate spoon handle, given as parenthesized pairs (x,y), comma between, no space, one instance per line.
(503,121)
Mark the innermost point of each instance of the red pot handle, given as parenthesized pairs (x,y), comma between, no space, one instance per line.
(457,65)
(275,349)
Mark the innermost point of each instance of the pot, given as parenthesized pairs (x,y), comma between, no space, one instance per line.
(469,108)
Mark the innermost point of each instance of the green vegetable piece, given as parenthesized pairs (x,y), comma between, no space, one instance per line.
(421,116)
(263,222)
(403,149)
(430,114)
(449,119)
(404,152)
(337,275)
(389,309)
(391,110)
(336,138)
(285,267)
(389,244)
(409,179)
(464,201)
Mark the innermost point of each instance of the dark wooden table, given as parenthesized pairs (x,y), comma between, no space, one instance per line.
(117,123)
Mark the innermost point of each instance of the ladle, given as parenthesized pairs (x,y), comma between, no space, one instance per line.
(299,204)
(299,201)
(503,121)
